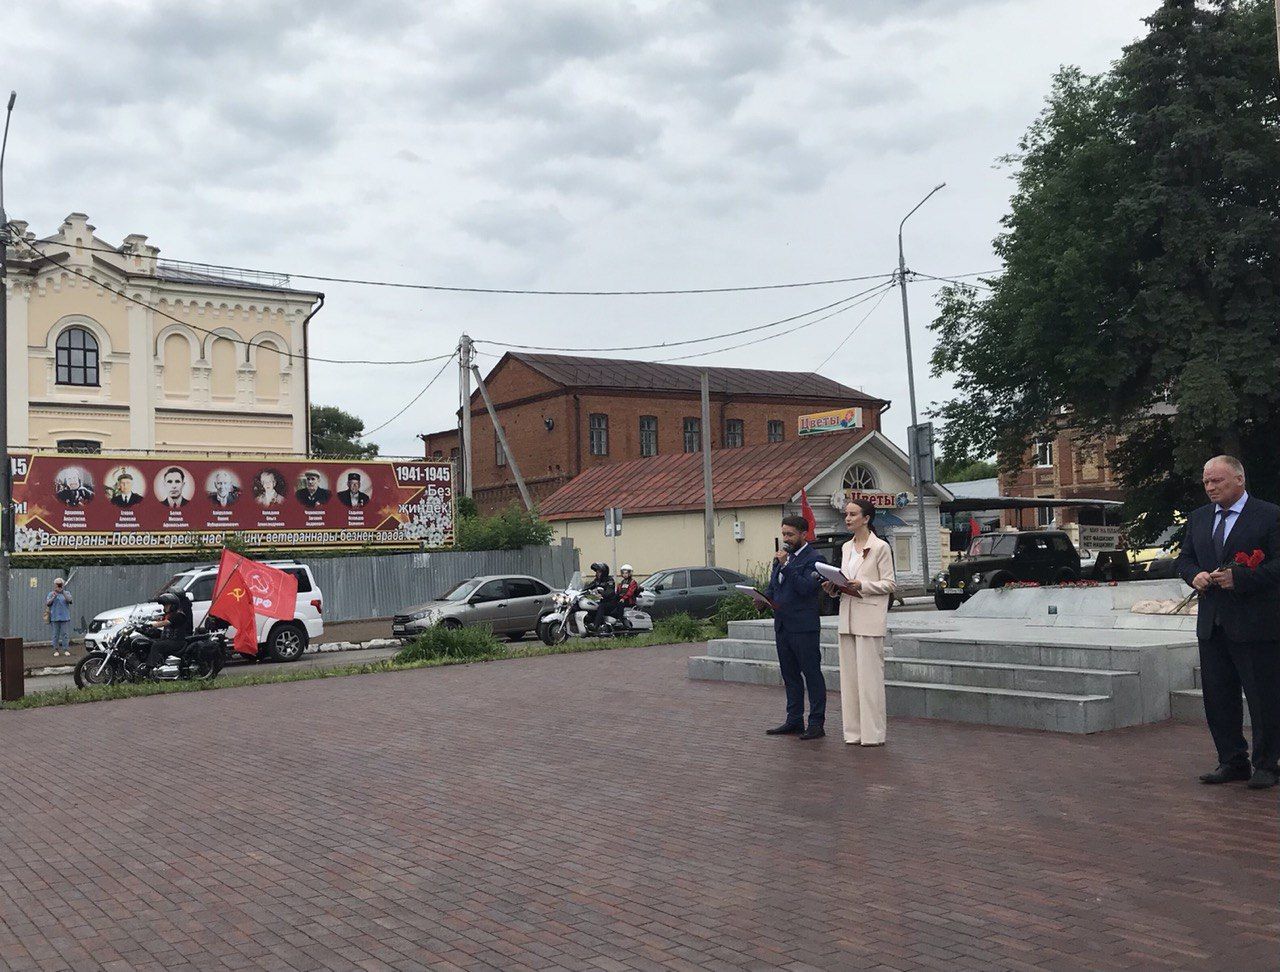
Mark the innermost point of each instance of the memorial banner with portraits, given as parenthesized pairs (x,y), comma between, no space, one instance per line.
(102,503)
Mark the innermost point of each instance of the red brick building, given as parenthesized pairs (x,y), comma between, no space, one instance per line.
(563,415)
(1062,465)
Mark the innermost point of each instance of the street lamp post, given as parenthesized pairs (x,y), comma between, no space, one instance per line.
(916,477)
(5,512)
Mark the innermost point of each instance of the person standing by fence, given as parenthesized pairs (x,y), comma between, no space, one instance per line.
(57,611)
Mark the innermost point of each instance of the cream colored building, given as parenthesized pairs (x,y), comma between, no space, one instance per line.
(189,359)
(753,488)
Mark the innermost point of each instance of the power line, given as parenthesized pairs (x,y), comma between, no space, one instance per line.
(362,282)
(701,340)
(956,278)
(205,330)
(865,296)
(413,401)
(854,330)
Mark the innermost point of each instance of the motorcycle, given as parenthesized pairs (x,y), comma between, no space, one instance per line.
(125,658)
(575,607)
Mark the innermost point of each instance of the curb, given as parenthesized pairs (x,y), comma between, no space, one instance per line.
(327,648)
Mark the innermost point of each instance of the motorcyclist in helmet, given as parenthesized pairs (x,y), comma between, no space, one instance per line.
(608,600)
(169,634)
(628,589)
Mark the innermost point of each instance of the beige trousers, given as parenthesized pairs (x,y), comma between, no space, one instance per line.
(862,689)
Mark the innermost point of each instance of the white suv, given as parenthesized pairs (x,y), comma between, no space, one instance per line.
(282,640)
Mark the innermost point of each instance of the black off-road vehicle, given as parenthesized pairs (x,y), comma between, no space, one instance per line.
(996,559)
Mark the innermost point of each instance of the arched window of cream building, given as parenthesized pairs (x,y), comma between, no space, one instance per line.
(177,365)
(223,362)
(270,357)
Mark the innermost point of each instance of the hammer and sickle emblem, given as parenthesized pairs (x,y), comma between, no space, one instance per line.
(237,593)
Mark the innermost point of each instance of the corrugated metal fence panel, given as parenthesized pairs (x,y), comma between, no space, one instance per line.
(353,587)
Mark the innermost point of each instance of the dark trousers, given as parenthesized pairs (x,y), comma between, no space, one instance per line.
(800,655)
(1227,667)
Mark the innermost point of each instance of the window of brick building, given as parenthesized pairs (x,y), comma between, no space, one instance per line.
(499,453)
(1044,515)
(455,452)
(648,435)
(775,430)
(1044,452)
(692,435)
(438,454)
(599,430)
(733,434)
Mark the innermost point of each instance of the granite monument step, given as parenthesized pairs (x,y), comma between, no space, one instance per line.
(1187,705)
(954,671)
(987,705)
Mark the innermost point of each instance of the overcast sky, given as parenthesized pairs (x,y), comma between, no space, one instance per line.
(548,144)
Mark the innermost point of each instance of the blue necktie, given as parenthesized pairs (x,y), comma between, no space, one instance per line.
(1220,535)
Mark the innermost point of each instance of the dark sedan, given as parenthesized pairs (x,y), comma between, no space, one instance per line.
(695,590)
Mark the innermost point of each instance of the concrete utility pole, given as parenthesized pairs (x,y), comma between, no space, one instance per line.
(1278,29)
(464,393)
(709,513)
(911,386)
(502,438)
(6,514)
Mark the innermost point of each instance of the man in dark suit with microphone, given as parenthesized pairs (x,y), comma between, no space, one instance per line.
(1238,621)
(795,588)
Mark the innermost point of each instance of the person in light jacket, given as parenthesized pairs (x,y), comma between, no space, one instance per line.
(57,608)
(864,608)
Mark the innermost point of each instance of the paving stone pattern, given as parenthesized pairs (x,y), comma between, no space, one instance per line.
(601,811)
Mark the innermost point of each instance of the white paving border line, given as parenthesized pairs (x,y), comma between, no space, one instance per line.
(326,648)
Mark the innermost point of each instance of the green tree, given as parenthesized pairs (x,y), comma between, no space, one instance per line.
(513,528)
(965,470)
(337,433)
(1141,277)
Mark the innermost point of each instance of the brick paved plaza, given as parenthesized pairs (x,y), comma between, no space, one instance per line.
(599,811)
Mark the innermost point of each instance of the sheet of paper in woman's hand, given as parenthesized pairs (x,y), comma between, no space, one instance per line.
(832,574)
(760,599)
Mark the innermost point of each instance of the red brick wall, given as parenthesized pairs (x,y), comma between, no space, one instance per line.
(1080,470)
(549,458)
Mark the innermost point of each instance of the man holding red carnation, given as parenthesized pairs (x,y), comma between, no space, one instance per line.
(1231,556)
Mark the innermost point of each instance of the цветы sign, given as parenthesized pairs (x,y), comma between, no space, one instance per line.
(120,503)
(839,420)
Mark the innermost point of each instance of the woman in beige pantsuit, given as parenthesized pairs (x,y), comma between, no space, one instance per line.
(864,608)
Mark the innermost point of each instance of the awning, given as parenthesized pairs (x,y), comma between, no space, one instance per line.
(886,519)
(984,503)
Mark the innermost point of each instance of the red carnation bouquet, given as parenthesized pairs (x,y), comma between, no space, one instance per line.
(1250,561)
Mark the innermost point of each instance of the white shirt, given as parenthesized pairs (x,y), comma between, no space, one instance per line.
(1233,514)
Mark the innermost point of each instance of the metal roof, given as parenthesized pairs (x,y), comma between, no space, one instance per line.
(764,475)
(580,372)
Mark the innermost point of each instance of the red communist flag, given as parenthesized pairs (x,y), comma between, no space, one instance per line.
(274,591)
(234,604)
(807,512)
(246,588)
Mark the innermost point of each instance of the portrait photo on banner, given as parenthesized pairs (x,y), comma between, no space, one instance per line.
(125,486)
(174,487)
(73,486)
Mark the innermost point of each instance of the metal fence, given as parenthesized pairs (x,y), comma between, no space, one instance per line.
(353,587)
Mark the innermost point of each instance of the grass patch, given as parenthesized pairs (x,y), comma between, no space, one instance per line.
(496,652)
(681,627)
(461,644)
(737,607)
